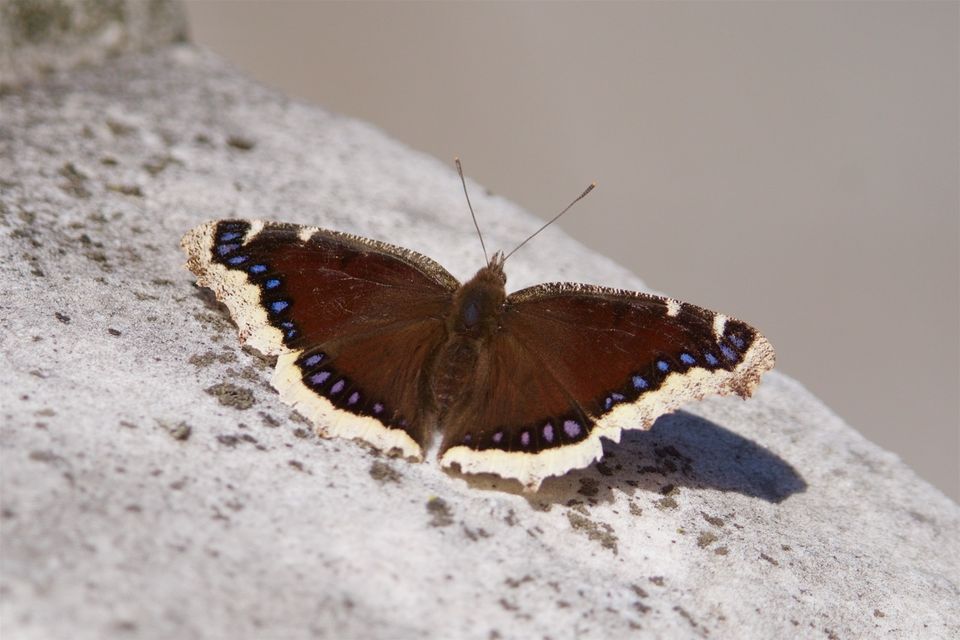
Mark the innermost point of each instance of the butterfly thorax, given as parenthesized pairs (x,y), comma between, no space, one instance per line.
(474,318)
(477,304)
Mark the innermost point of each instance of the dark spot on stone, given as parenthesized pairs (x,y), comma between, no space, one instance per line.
(125,626)
(182,431)
(683,612)
(475,534)
(118,128)
(6,513)
(642,608)
(604,468)
(126,189)
(513,583)
(156,165)
(440,513)
(383,472)
(511,518)
(48,457)
(721,551)
(598,532)
(62,317)
(786,547)
(113,332)
(296,464)
(269,420)
(657,580)
(134,508)
(296,416)
(107,161)
(769,559)
(301,433)
(128,425)
(509,606)
(206,359)
(75,185)
(666,503)
(705,539)
(241,143)
(231,395)
(635,510)
(589,487)
(717,522)
(879,614)
(228,440)
(640,591)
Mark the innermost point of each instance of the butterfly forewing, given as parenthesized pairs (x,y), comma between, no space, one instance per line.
(354,321)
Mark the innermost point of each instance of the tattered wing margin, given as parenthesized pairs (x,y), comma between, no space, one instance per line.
(232,288)
(677,389)
(242,298)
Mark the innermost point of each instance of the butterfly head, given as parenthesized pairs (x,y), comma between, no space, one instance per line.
(478,302)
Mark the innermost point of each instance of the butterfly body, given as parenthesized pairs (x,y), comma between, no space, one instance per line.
(382,344)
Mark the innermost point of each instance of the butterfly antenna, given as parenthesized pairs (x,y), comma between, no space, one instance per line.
(472,214)
(554,218)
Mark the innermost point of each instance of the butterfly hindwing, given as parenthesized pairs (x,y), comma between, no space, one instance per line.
(620,359)
(352,321)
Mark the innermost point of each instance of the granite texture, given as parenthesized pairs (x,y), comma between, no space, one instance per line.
(153,485)
(41,36)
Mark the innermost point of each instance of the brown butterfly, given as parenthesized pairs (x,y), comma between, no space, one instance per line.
(381,343)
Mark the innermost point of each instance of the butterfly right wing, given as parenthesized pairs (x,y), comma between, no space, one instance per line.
(573,363)
(354,322)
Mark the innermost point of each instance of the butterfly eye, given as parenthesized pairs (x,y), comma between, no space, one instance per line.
(471,313)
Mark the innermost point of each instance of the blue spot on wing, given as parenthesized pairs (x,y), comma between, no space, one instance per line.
(687,358)
(663,365)
(727,352)
(258,268)
(235,260)
(640,383)
(711,359)
(278,305)
(230,235)
(224,249)
(272,283)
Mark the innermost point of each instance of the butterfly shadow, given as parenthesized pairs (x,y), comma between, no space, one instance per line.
(680,450)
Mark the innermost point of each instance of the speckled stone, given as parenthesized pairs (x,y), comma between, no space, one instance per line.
(154,486)
(41,36)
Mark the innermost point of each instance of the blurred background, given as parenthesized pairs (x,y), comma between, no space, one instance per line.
(792,164)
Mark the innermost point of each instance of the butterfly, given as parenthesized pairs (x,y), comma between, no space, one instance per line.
(379,343)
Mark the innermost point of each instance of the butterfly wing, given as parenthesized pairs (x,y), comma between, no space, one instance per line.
(352,321)
(574,363)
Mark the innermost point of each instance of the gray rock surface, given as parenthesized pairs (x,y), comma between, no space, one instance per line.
(40,36)
(153,485)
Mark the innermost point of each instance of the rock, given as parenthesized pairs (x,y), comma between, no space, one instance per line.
(40,36)
(154,486)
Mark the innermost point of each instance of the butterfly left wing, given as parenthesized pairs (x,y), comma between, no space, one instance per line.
(574,363)
(354,322)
